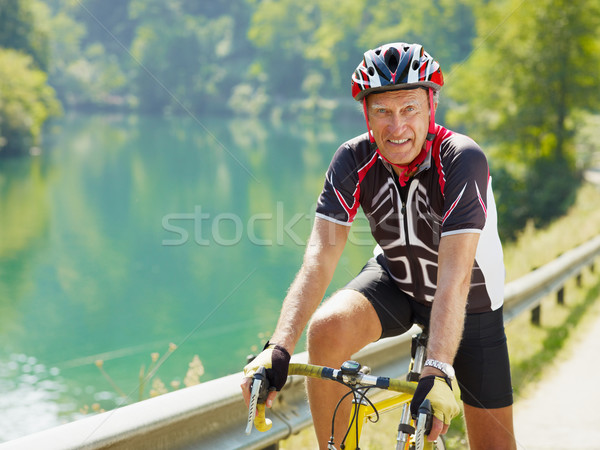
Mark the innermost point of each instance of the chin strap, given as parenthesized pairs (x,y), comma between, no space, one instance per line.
(408,170)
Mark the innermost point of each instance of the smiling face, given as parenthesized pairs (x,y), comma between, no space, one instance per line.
(399,121)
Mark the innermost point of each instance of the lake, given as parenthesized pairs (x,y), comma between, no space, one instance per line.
(127,234)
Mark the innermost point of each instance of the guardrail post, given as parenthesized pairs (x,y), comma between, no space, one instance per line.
(592,267)
(560,295)
(535,315)
(578,280)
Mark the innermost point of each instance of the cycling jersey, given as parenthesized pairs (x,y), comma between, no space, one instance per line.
(450,193)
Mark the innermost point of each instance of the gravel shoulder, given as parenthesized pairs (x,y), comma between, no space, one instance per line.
(562,411)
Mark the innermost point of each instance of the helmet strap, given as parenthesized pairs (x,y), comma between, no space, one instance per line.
(431,131)
(371,137)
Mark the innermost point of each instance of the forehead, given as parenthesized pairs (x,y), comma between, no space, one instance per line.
(398,97)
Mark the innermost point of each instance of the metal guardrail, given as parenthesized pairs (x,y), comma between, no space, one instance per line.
(212,415)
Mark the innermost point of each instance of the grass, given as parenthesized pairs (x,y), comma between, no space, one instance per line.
(533,349)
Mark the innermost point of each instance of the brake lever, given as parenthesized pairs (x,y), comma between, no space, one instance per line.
(255,392)
(424,421)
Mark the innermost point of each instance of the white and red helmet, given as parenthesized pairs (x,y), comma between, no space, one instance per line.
(396,66)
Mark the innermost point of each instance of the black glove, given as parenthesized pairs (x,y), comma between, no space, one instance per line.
(276,360)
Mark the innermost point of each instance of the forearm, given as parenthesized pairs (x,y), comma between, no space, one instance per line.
(308,288)
(446,326)
(303,298)
(455,263)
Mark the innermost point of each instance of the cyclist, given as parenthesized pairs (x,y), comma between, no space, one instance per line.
(427,194)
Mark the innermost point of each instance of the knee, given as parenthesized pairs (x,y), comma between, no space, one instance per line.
(324,330)
(341,326)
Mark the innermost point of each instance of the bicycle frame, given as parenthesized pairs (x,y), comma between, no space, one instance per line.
(366,412)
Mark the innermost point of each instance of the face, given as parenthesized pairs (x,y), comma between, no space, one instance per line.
(399,121)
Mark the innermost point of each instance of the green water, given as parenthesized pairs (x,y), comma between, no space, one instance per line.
(130,233)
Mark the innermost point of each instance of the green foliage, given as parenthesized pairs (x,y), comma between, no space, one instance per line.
(85,73)
(164,79)
(20,30)
(244,55)
(297,39)
(540,193)
(518,94)
(526,51)
(26,101)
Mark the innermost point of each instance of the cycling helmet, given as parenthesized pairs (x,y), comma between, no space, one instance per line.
(396,66)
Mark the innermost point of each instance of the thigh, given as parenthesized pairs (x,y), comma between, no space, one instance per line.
(392,306)
(482,365)
(342,325)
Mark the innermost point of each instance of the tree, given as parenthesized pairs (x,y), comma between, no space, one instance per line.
(20,30)
(532,71)
(26,101)
(301,41)
(185,60)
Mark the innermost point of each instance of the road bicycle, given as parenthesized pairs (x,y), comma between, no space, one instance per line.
(411,434)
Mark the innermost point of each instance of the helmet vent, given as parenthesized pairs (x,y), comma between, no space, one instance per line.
(371,71)
(415,65)
(392,59)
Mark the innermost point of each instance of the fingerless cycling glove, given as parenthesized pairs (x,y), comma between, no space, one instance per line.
(276,360)
(439,392)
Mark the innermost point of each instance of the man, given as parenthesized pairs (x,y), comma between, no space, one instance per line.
(427,195)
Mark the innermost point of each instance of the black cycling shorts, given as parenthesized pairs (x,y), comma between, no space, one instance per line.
(481,363)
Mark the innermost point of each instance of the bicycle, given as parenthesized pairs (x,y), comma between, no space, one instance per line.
(411,433)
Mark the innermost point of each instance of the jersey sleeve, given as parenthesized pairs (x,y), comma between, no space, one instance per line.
(465,190)
(339,200)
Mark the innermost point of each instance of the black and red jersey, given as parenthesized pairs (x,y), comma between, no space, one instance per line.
(450,193)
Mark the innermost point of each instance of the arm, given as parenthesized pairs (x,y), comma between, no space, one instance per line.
(322,254)
(455,261)
(456,255)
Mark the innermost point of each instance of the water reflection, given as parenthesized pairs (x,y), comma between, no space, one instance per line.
(88,269)
(33,397)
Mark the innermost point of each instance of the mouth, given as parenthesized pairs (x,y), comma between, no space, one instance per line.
(398,141)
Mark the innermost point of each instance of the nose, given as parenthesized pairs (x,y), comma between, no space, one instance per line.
(396,124)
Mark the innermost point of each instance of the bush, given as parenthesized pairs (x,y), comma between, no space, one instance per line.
(543,192)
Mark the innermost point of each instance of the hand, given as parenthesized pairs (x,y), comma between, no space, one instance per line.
(439,392)
(276,360)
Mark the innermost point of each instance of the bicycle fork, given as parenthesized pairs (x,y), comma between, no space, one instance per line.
(405,429)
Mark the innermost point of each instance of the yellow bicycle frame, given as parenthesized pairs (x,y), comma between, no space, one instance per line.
(366,412)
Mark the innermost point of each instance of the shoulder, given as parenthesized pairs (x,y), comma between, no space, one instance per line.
(353,154)
(453,148)
(358,145)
